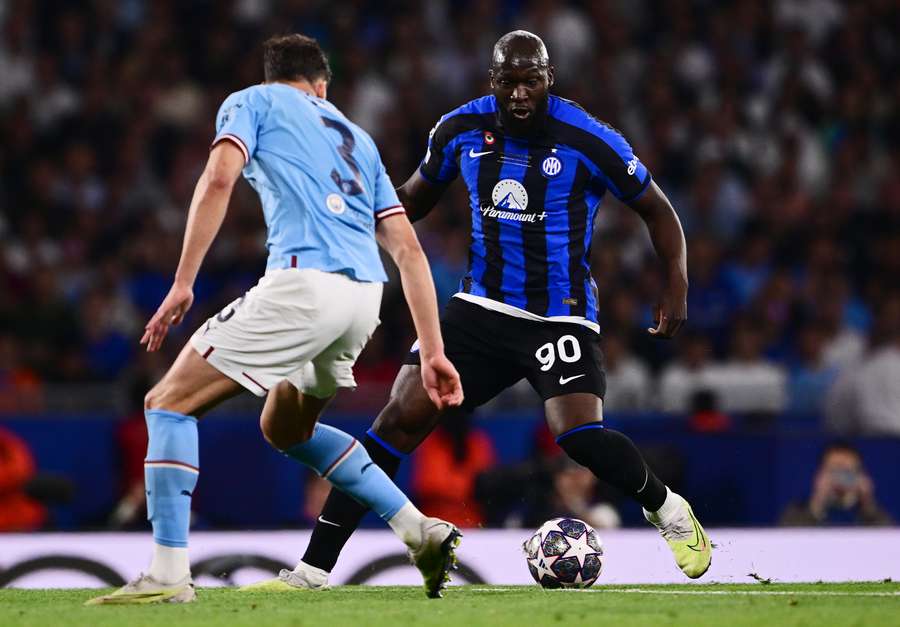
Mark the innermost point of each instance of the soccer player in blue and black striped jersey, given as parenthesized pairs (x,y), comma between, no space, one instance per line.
(536,167)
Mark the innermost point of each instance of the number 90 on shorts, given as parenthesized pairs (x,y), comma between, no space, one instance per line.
(567,360)
(493,351)
(567,349)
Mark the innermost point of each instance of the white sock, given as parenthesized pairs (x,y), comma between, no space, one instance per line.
(670,509)
(314,575)
(407,524)
(169,564)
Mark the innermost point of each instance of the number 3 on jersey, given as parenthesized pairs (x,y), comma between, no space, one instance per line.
(351,187)
(567,348)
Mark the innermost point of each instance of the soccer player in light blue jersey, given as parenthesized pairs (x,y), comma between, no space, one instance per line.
(295,336)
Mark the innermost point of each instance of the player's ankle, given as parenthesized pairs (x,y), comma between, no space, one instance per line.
(169,564)
(314,575)
(670,509)
(407,524)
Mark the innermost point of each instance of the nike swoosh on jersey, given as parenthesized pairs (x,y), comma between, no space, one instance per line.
(564,380)
(475,155)
(328,522)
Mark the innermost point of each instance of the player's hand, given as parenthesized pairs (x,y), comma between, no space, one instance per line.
(671,312)
(171,311)
(441,381)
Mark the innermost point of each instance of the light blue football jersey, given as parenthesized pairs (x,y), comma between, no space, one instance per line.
(319,177)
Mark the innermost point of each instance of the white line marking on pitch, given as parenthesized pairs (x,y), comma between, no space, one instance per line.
(807,593)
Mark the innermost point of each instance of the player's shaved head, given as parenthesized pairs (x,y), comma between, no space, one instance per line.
(521,76)
(520,49)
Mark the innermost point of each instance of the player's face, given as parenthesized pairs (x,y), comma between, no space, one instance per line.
(521,94)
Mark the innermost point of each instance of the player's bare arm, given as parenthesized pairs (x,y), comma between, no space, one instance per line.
(208,207)
(441,381)
(419,196)
(668,240)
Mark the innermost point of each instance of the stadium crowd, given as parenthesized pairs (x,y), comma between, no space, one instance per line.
(772,126)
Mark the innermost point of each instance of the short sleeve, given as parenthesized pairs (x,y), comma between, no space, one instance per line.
(238,122)
(618,168)
(386,202)
(439,164)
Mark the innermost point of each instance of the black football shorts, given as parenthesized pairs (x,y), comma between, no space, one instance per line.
(492,351)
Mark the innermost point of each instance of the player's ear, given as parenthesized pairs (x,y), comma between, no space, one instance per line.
(491,77)
(550,71)
(321,89)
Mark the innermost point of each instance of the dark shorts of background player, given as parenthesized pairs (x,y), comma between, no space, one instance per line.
(492,351)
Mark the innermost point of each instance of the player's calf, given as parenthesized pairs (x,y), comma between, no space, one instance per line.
(342,514)
(341,459)
(338,457)
(614,458)
(171,470)
(170,474)
(410,415)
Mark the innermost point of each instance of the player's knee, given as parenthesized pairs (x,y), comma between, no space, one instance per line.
(386,420)
(269,433)
(389,422)
(284,436)
(401,426)
(162,396)
(153,398)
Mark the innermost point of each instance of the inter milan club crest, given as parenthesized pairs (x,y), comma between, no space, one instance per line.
(488,138)
(551,166)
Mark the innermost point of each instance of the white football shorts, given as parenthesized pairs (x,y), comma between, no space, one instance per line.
(303,325)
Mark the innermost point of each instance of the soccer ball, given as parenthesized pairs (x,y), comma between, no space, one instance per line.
(564,553)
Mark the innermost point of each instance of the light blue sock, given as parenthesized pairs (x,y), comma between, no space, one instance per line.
(170,474)
(345,463)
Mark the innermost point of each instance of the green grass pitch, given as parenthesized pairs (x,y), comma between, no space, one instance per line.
(775,605)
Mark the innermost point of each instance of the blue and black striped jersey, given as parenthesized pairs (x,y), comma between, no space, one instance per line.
(534,201)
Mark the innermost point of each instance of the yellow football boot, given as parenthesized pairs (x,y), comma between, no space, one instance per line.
(685,535)
(146,589)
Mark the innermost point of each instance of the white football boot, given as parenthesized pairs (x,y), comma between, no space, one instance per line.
(303,577)
(435,554)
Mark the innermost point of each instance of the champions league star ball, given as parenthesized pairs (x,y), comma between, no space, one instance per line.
(564,553)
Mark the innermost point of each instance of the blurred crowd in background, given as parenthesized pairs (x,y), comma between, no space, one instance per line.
(772,127)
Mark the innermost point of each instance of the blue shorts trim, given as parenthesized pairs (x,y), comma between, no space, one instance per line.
(592,425)
(390,449)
